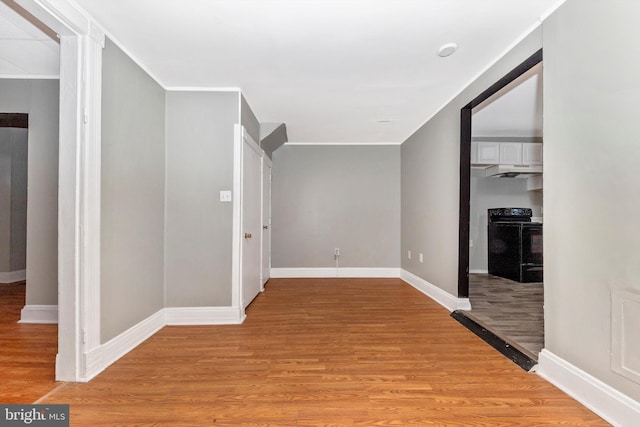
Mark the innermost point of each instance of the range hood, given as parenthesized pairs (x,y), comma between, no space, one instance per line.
(513,171)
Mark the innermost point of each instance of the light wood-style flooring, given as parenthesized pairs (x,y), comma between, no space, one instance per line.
(317,352)
(512,310)
(27,352)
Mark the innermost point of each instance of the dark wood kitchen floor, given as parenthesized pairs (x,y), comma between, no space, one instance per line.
(511,310)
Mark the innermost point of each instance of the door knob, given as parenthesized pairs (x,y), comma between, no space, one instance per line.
(247,235)
(265,227)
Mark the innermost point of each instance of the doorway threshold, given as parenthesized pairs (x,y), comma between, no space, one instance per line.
(510,350)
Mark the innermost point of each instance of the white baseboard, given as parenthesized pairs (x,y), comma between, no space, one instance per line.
(440,296)
(478,271)
(353,272)
(108,353)
(464,304)
(92,364)
(122,344)
(614,407)
(13,276)
(203,316)
(39,314)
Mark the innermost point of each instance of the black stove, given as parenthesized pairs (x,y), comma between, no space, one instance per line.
(515,245)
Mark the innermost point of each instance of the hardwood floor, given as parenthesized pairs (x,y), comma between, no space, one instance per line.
(27,352)
(512,310)
(312,352)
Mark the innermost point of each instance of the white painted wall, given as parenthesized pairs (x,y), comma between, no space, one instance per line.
(39,99)
(326,197)
(133,187)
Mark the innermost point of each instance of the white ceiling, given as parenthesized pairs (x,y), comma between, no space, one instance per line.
(25,51)
(335,71)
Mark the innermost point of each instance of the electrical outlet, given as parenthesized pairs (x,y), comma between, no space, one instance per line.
(409,254)
(470,243)
(225,196)
(336,251)
(421,259)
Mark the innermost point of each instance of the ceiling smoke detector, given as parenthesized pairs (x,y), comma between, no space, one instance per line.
(447,50)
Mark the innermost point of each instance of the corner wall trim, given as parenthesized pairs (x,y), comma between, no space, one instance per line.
(203,316)
(607,402)
(440,296)
(13,276)
(353,272)
(120,345)
(39,314)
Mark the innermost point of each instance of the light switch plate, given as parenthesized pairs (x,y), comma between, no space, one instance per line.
(225,196)
(421,258)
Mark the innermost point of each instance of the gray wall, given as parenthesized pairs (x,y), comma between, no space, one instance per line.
(274,139)
(249,120)
(591,128)
(19,174)
(13,199)
(326,197)
(39,99)
(430,180)
(6,148)
(200,132)
(494,193)
(133,179)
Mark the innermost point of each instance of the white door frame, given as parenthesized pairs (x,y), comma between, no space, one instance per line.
(240,134)
(81,44)
(266,163)
(250,143)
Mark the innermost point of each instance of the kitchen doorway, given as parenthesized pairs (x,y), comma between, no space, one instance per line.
(507,312)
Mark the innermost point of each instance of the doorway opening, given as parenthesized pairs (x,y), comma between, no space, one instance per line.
(494,157)
(29,105)
(13,196)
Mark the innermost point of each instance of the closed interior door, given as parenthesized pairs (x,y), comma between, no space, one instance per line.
(266,220)
(251,219)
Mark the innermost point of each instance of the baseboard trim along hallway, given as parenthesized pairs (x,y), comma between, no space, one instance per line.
(347,272)
(39,314)
(203,316)
(615,407)
(13,276)
(440,296)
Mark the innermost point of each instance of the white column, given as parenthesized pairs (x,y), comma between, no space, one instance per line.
(81,44)
(90,181)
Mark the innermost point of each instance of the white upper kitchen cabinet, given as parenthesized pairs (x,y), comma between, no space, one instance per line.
(510,153)
(532,154)
(506,153)
(488,153)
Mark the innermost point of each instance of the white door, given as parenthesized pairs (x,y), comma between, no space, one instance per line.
(251,219)
(266,220)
